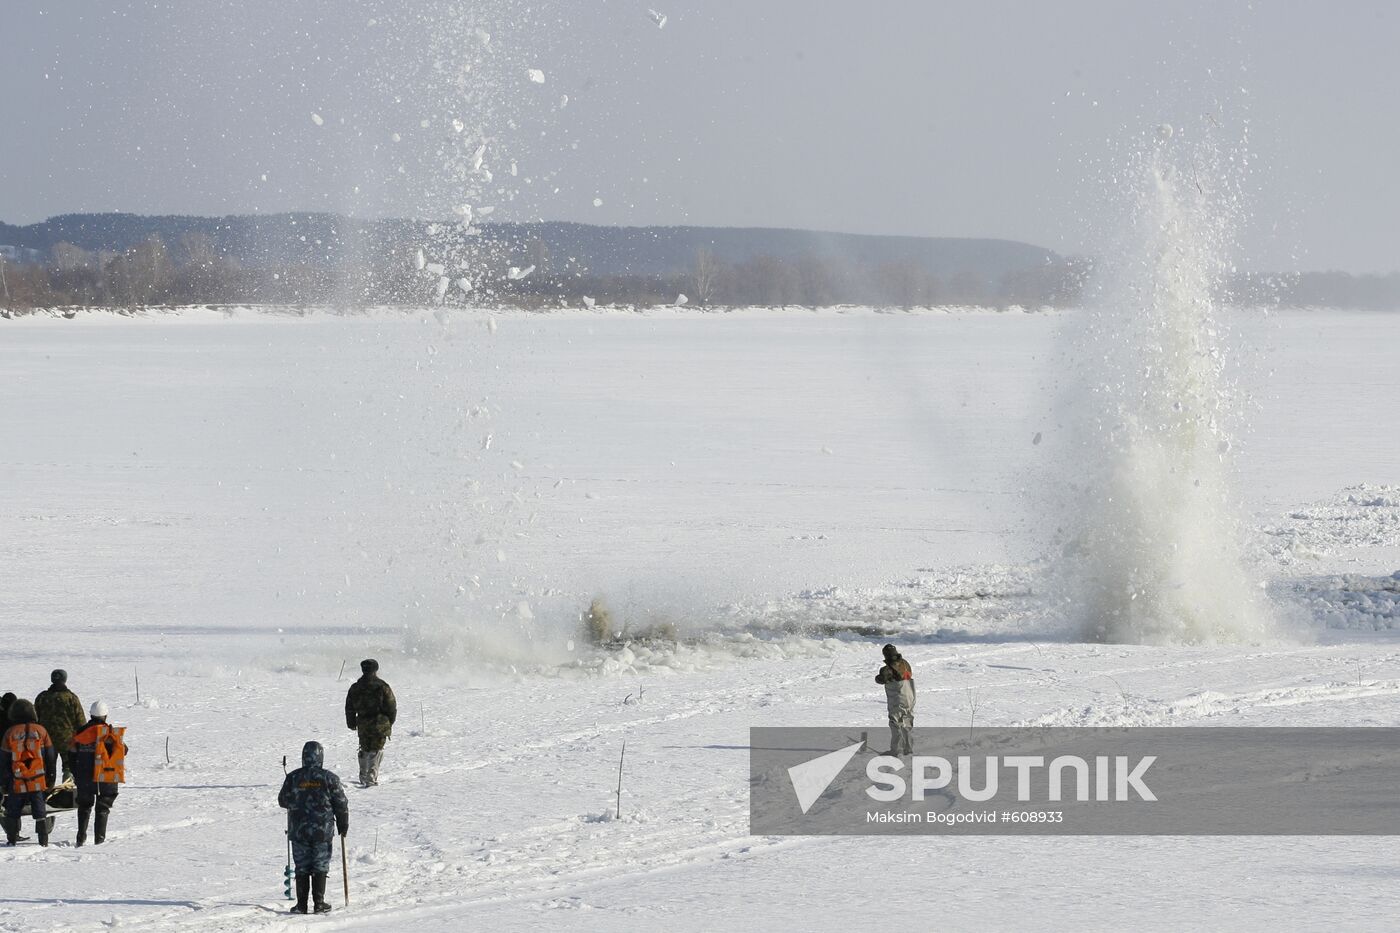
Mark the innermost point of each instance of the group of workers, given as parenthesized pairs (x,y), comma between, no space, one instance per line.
(50,731)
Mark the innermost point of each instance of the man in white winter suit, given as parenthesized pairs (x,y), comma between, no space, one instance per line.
(898,678)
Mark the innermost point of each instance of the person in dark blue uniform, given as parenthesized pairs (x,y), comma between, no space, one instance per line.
(317,812)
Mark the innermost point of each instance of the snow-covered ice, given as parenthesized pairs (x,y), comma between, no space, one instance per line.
(233,504)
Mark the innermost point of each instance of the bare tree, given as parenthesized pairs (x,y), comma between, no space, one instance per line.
(152,271)
(901,282)
(65,257)
(706,276)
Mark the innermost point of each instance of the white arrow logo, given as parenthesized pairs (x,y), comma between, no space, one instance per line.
(811,778)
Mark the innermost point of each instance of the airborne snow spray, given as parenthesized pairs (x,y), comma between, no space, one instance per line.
(1155,553)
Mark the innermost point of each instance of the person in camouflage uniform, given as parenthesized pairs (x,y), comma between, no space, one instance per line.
(370,709)
(61,713)
(317,812)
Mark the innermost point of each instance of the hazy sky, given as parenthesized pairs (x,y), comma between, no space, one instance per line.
(995,119)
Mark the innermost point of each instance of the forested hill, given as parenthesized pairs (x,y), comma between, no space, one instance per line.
(282,239)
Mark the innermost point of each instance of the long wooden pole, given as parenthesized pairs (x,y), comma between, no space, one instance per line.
(619,778)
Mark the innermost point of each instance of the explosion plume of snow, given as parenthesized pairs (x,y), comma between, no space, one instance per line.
(1157,556)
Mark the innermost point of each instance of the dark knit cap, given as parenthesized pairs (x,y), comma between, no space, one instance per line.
(59,676)
(369,665)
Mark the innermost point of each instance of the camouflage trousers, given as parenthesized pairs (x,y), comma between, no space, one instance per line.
(311,858)
(372,736)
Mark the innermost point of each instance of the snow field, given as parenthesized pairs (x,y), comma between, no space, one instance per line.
(234,508)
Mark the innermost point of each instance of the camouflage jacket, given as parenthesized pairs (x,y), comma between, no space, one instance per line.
(369,699)
(314,800)
(61,712)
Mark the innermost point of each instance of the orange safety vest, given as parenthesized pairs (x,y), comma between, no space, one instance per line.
(26,743)
(108,752)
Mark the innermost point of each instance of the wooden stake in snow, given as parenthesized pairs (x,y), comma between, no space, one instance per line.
(138,685)
(422,720)
(619,778)
(342,672)
(167,749)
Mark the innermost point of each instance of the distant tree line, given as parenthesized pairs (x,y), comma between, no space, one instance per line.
(193,271)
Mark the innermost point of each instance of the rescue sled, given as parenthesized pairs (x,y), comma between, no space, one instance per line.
(61,799)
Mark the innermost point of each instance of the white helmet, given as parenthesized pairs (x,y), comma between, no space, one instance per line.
(98,710)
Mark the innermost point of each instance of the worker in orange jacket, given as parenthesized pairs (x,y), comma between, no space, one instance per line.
(99,768)
(28,768)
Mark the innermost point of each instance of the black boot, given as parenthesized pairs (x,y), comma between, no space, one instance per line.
(99,828)
(318,894)
(303,889)
(11,830)
(84,816)
(42,826)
